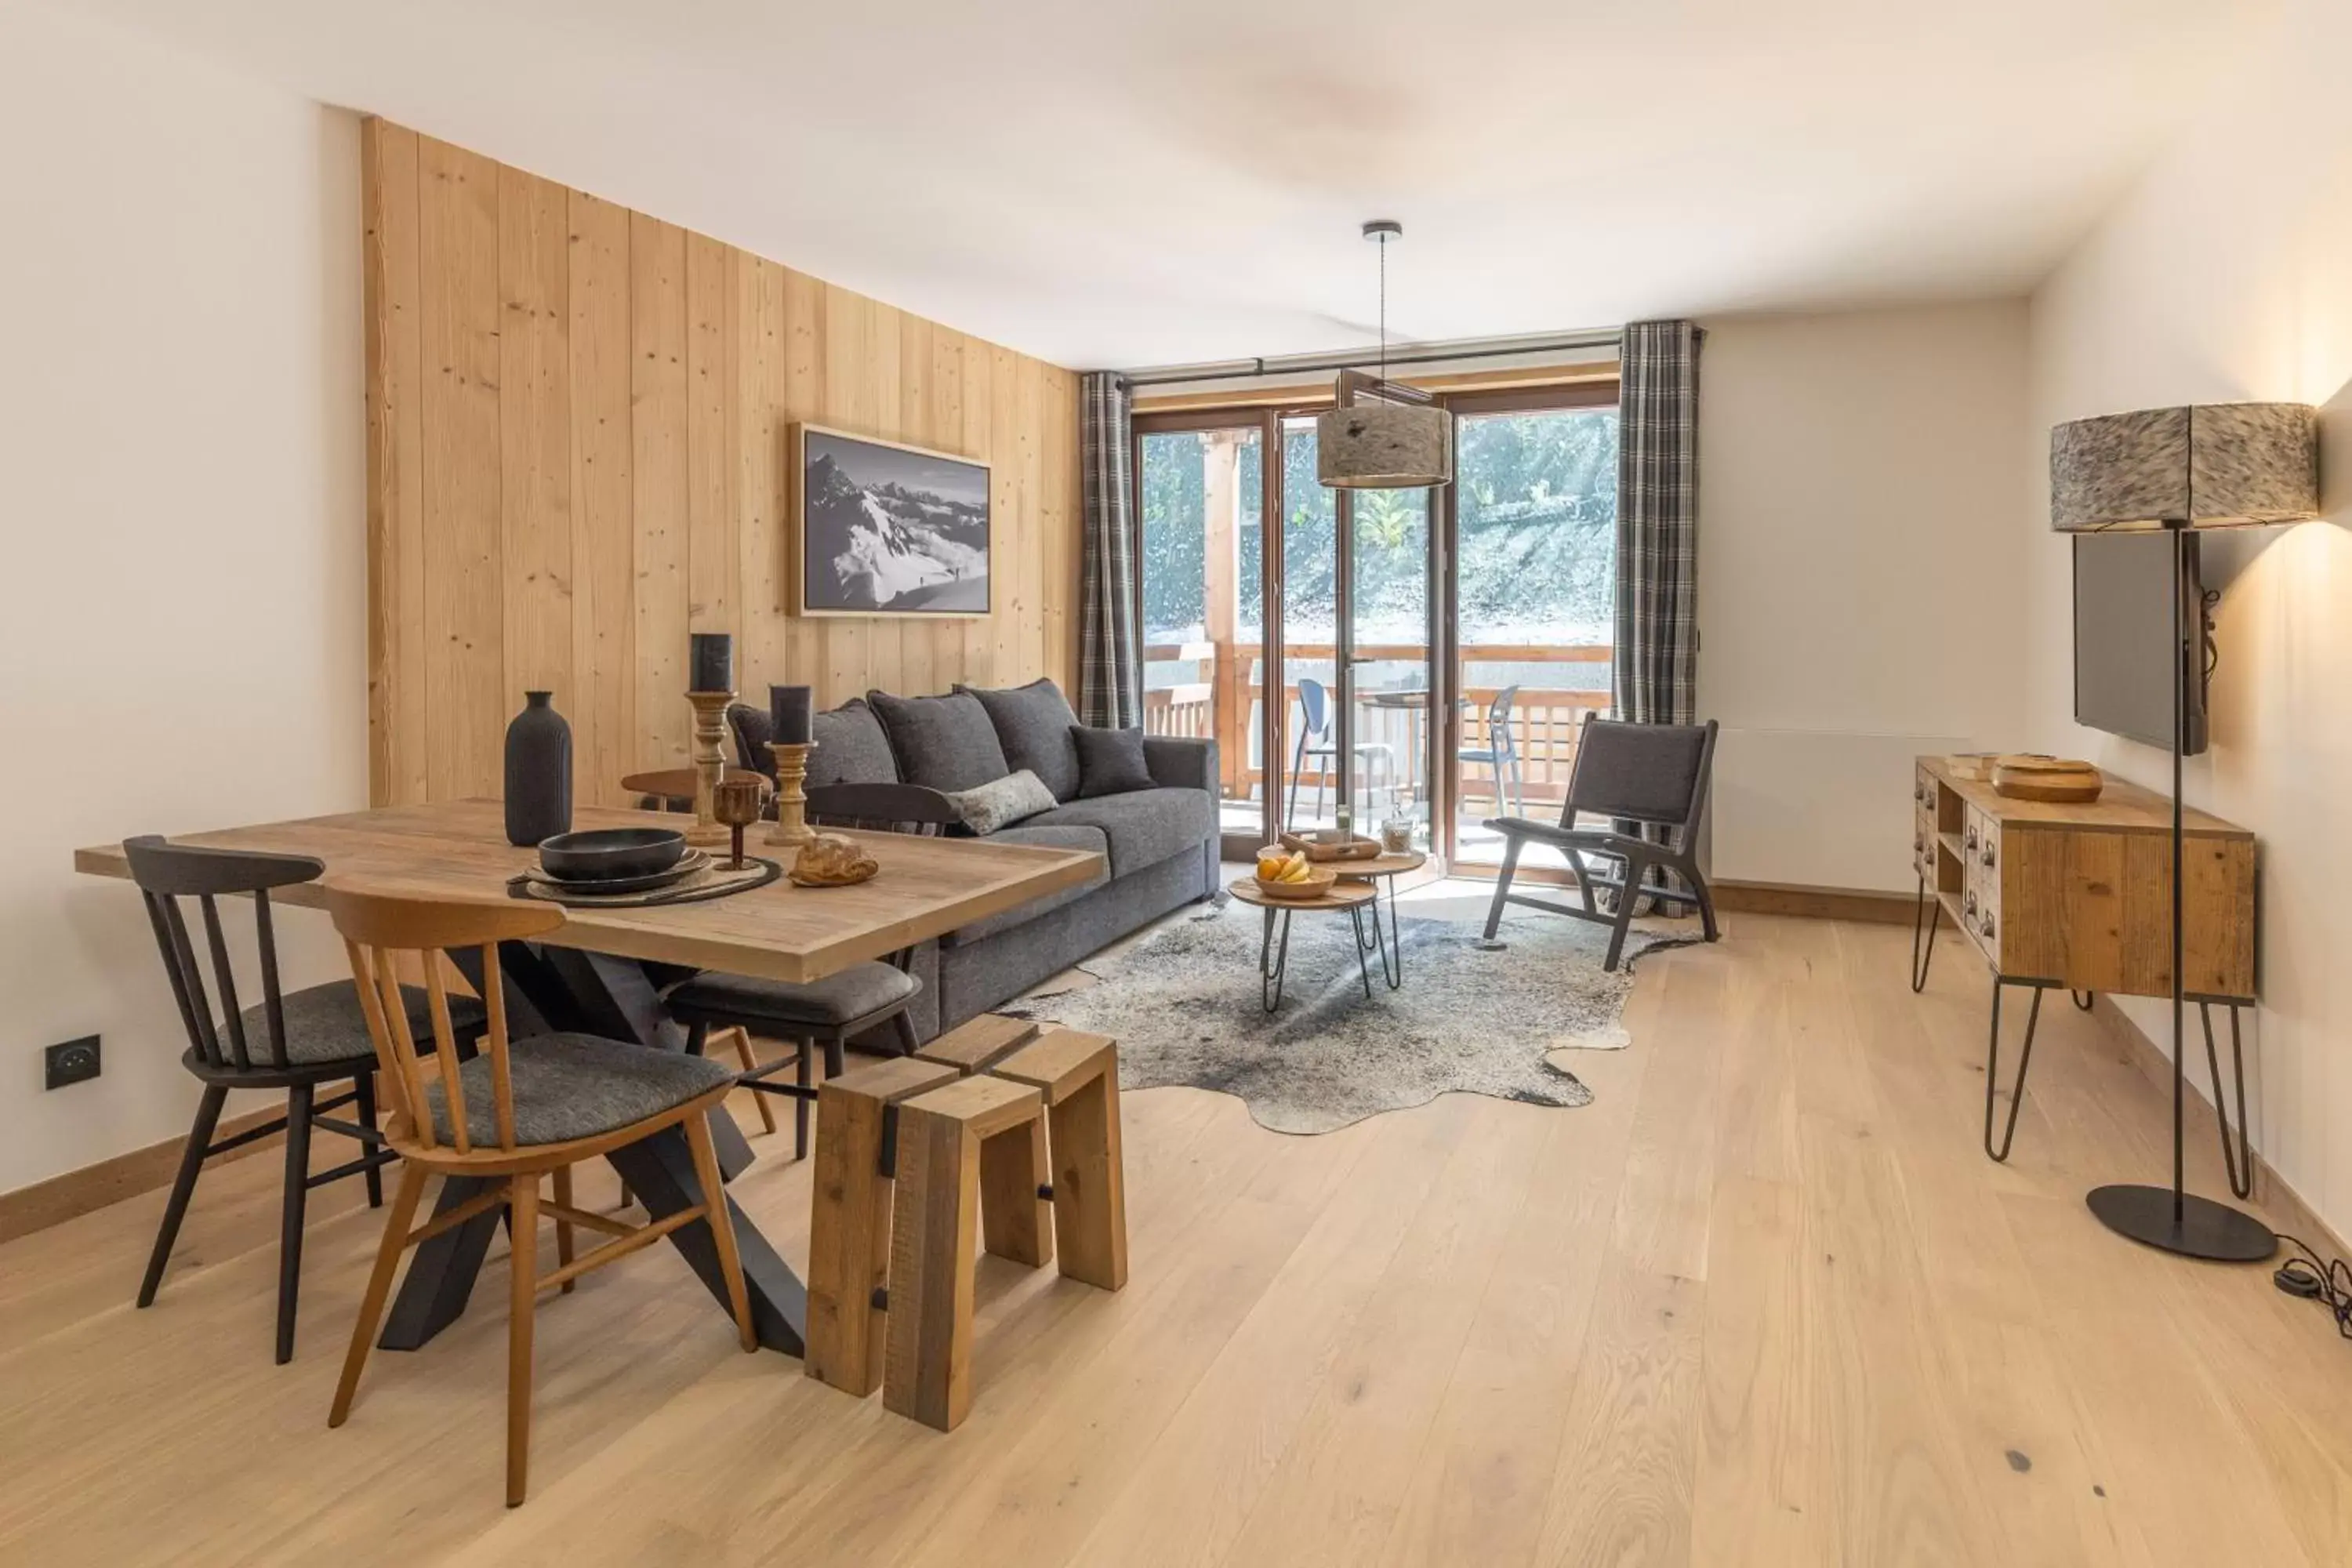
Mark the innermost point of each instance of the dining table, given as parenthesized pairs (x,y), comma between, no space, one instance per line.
(602,972)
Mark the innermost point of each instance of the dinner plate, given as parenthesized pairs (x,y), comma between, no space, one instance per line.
(694,860)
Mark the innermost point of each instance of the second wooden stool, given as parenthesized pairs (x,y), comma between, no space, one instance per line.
(944,1138)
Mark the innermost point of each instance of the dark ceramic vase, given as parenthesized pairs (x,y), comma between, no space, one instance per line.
(539,771)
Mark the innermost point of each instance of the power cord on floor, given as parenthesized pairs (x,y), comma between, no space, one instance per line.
(2315,1279)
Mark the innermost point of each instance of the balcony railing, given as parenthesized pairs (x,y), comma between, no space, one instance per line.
(1544,720)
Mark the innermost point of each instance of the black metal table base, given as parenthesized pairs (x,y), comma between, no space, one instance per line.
(1274,954)
(557,988)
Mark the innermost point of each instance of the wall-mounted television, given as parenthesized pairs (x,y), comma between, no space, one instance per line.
(2125,652)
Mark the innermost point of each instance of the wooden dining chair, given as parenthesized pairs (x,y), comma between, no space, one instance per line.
(520,1110)
(827,1012)
(290,1042)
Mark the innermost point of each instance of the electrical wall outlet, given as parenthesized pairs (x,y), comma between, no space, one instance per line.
(74,1061)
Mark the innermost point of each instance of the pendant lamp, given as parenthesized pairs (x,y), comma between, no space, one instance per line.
(1382,444)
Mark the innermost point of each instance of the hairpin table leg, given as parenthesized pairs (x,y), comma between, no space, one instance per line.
(2085,1000)
(1273,960)
(1922,952)
(2240,1160)
(1992,1069)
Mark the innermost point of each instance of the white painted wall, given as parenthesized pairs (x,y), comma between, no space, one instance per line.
(1858,476)
(2227,275)
(182,456)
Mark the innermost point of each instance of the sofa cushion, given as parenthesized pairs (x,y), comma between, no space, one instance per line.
(1066,835)
(1110,762)
(1034,723)
(752,732)
(851,747)
(945,743)
(1143,827)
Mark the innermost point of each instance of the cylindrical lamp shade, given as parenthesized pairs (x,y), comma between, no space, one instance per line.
(1383,447)
(2223,465)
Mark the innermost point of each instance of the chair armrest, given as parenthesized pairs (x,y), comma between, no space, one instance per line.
(1179,762)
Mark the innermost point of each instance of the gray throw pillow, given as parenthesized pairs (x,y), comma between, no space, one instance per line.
(850,747)
(945,743)
(1110,762)
(1033,721)
(1003,803)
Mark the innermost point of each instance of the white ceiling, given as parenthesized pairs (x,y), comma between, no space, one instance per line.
(1115,183)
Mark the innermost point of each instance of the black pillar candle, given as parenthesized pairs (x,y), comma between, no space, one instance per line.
(712,666)
(788,714)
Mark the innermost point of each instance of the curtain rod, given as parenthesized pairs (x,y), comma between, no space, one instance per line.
(1348,359)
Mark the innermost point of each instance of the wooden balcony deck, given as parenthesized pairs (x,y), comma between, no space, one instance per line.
(1225,700)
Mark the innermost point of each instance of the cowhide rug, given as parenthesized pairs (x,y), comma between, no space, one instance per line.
(1183,1004)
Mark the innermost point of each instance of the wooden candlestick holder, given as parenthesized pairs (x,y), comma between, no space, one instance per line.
(709,765)
(792,769)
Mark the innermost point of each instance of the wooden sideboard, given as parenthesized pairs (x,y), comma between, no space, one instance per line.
(2081,896)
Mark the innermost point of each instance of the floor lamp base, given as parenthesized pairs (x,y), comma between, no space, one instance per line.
(2206,1229)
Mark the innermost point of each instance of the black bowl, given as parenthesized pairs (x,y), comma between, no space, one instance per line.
(603,854)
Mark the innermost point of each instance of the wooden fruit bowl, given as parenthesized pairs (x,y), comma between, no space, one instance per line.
(2033,776)
(1318,883)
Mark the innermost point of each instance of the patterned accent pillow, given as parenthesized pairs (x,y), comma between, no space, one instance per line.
(1003,803)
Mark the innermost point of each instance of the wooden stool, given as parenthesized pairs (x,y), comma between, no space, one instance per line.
(849,1217)
(1078,1075)
(977,1046)
(945,1138)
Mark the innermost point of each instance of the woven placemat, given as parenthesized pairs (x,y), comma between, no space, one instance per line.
(717,880)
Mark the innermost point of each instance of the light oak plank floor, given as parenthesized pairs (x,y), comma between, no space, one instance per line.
(1764,1301)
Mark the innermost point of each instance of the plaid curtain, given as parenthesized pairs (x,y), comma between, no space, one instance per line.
(1110,659)
(1656,659)
(1657,524)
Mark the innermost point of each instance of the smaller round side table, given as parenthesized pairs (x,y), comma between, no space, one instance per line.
(1381,871)
(1273,957)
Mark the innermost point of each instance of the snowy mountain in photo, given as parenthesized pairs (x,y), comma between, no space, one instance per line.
(886,530)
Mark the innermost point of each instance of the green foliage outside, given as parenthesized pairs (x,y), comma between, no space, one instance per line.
(1537,510)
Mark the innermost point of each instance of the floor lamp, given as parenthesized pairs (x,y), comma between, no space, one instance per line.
(2232,465)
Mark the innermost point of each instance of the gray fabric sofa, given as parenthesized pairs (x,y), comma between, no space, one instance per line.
(1159,845)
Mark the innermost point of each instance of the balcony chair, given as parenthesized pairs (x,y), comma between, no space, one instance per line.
(1314,740)
(1638,775)
(1501,754)
(294,1042)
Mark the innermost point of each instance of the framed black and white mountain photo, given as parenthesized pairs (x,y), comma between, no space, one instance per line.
(881,529)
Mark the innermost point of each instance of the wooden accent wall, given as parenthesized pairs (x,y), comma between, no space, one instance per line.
(577,455)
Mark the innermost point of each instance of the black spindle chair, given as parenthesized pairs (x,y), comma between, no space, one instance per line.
(1641,776)
(837,1009)
(296,1041)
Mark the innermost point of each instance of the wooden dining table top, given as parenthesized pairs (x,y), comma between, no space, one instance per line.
(926,887)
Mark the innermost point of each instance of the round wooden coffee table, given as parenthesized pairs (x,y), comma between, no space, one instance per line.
(1381,871)
(1273,957)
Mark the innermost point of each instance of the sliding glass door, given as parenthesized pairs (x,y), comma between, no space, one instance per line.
(1370,657)
(1202,487)
(1533,510)
(1356,647)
